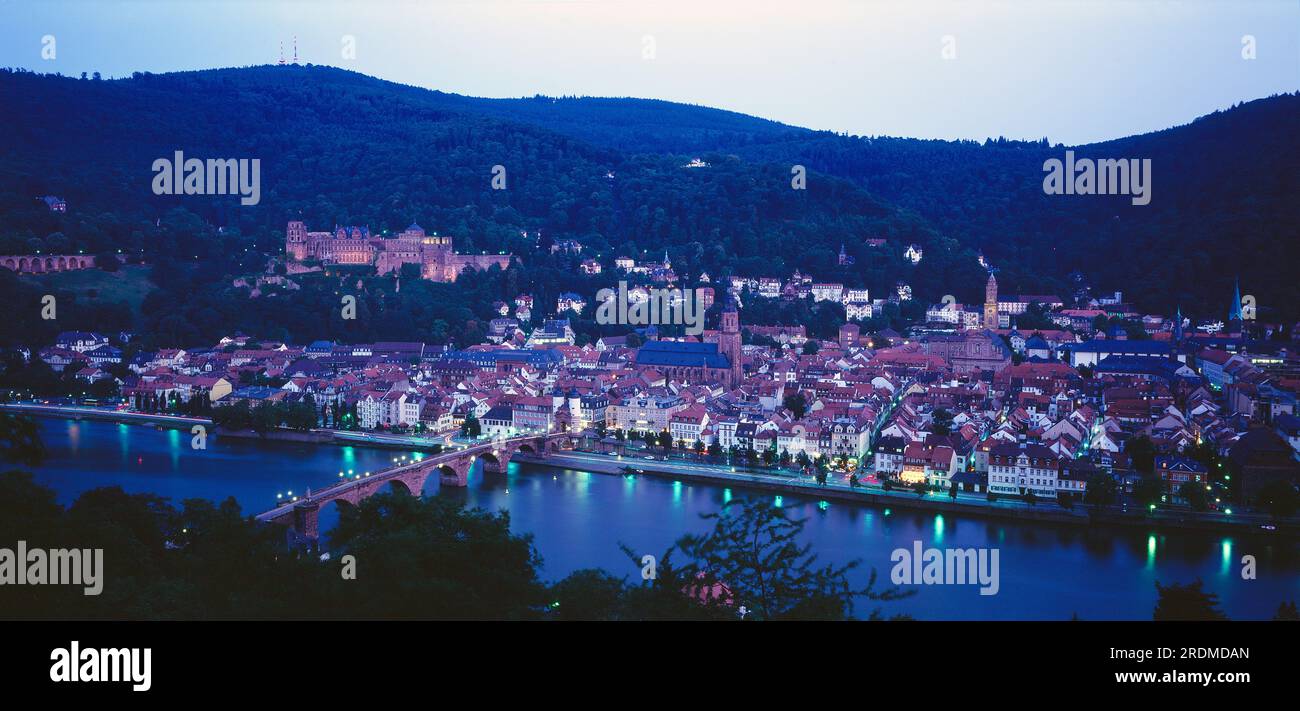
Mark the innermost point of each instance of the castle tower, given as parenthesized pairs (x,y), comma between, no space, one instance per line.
(729,343)
(991,302)
(295,241)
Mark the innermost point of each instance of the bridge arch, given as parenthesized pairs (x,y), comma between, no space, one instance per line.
(398,486)
(455,473)
(495,461)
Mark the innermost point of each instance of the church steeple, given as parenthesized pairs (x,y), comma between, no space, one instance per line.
(991,302)
(729,342)
(1234,311)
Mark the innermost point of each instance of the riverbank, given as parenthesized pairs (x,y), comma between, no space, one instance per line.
(1047,512)
(81,412)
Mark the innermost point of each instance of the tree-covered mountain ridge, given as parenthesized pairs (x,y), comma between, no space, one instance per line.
(341,147)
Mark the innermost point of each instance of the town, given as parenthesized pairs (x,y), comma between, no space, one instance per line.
(1024,398)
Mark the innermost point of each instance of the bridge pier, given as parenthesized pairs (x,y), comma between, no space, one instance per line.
(306,517)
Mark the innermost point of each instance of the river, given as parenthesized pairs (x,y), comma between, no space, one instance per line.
(578,519)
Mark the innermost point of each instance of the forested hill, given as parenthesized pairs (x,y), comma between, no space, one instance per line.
(340,147)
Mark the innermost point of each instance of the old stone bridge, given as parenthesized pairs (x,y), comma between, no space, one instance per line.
(301,514)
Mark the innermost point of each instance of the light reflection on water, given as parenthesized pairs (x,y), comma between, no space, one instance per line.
(578,520)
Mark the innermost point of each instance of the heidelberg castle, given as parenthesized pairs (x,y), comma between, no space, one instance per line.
(355,245)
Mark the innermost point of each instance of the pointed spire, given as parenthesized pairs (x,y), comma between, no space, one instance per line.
(1234,312)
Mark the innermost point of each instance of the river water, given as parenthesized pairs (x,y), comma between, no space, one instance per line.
(578,520)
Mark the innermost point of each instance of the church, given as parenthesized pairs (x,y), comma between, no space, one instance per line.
(720,362)
(433,253)
(975,352)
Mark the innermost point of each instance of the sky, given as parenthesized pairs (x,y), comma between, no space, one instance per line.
(1074,72)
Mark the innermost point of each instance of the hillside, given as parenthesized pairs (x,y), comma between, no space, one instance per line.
(339,147)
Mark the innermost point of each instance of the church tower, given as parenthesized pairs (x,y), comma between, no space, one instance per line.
(1235,319)
(729,342)
(991,303)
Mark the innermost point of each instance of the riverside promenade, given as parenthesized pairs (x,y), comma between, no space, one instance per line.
(966,504)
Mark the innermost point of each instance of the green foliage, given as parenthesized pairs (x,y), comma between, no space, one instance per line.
(1143,453)
(1186,602)
(1100,490)
(1193,493)
(1148,490)
(429,558)
(471,427)
(753,557)
(796,403)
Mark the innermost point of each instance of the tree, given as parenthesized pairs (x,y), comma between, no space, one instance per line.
(952,491)
(1030,497)
(1143,453)
(423,558)
(942,421)
(1101,490)
(1193,492)
(20,440)
(1148,490)
(796,403)
(920,488)
(471,427)
(1287,611)
(754,557)
(588,594)
(1186,602)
